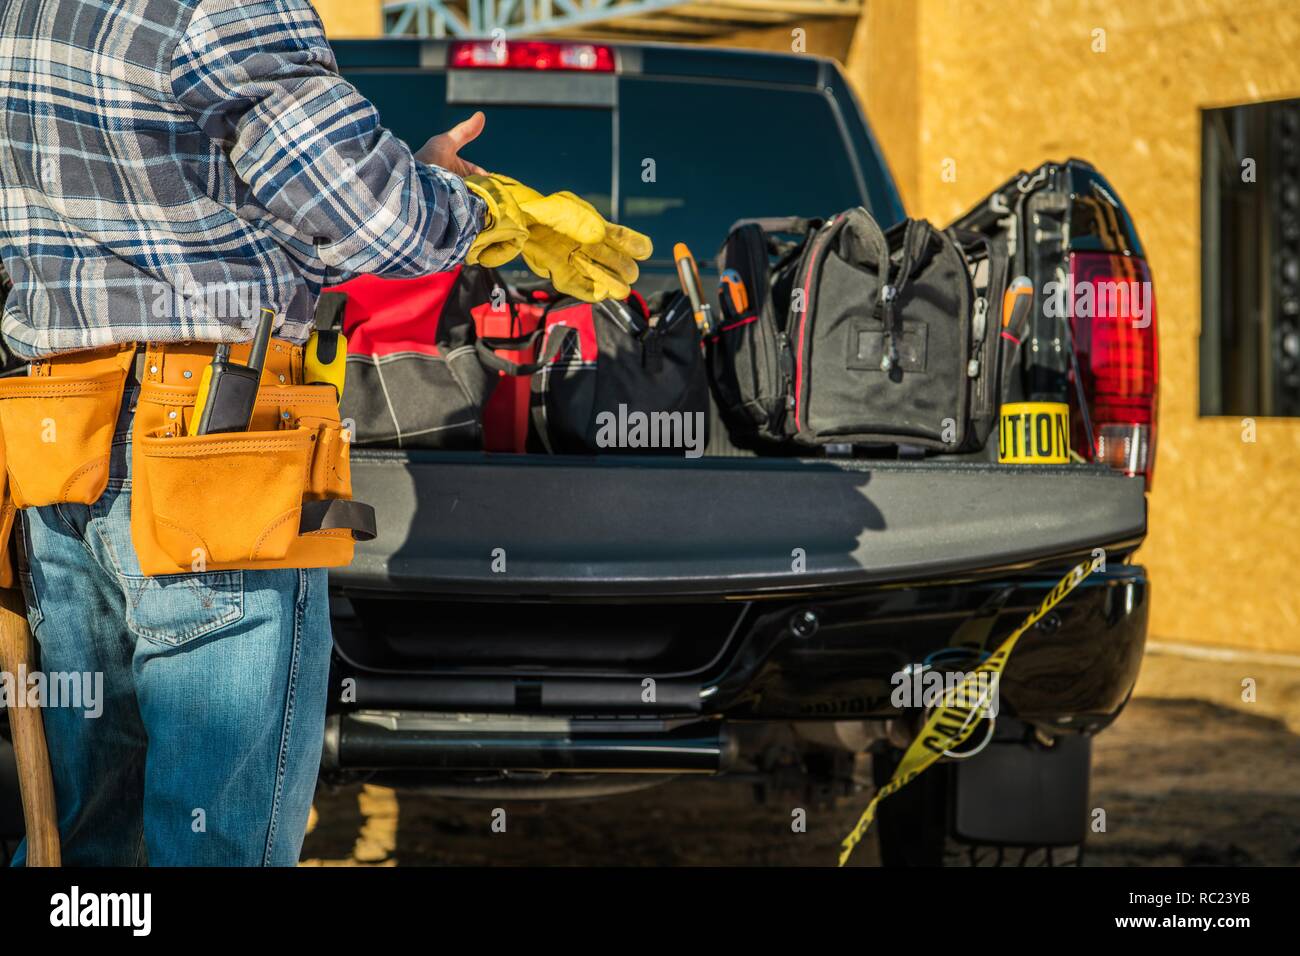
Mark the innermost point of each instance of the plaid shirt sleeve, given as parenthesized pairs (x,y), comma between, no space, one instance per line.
(260,80)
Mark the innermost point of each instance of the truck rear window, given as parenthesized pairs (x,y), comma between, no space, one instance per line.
(549,148)
(694,154)
(720,151)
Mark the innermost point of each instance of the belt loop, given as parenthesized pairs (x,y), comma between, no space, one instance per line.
(135,368)
(153,362)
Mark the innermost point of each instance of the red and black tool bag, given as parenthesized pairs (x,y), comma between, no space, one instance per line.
(511,313)
(604,371)
(414,379)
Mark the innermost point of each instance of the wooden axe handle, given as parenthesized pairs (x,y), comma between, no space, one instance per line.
(35,782)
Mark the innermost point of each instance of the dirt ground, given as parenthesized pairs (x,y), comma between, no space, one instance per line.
(1191,774)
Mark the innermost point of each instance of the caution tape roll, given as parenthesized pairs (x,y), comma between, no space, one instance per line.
(953,723)
(1034,433)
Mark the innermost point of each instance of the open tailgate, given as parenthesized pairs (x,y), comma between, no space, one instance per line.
(535,526)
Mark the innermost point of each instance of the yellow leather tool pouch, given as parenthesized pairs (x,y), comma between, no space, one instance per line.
(58,426)
(226,499)
(277,496)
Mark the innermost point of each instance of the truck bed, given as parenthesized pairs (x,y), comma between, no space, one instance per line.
(624,527)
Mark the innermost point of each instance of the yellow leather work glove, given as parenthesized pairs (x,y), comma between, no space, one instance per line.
(569,242)
(503,234)
(590,271)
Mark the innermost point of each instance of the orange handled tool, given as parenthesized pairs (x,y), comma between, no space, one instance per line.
(1016,304)
(734,292)
(689,275)
(1020,288)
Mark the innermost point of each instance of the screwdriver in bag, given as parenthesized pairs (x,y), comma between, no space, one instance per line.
(733,292)
(1016,304)
(688,273)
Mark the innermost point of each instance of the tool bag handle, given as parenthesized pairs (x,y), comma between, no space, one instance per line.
(916,236)
(558,335)
(487,349)
(794,225)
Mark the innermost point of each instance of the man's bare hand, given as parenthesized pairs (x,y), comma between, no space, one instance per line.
(441,150)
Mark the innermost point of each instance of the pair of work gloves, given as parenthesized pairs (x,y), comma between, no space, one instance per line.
(561,237)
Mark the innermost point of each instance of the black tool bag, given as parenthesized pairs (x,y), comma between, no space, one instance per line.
(873,338)
(614,377)
(750,363)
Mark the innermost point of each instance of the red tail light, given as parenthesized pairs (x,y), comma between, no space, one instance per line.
(531,55)
(1113,321)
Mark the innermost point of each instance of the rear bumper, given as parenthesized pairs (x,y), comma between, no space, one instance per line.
(783,659)
(1073,671)
(611,528)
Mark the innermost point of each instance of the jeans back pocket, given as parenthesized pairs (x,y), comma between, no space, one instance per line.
(175,609)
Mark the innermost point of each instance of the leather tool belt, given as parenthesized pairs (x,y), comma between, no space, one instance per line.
(276,496)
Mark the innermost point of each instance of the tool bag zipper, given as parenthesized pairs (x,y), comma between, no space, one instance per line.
(800,357)
(986,324)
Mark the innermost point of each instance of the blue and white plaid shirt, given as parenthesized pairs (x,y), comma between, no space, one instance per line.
(170,167)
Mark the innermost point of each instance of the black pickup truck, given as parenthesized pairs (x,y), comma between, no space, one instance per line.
(529,626)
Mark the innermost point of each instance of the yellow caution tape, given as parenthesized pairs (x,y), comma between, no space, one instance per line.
(952,724)
(1034,433)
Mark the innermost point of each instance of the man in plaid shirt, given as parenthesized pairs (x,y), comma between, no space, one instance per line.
(149,148)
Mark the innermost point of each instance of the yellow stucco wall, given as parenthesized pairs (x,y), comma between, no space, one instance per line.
(350,18)
(999,85)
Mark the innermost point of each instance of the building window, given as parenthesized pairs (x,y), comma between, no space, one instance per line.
(1250,260)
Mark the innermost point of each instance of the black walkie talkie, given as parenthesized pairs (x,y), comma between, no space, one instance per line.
(228,392)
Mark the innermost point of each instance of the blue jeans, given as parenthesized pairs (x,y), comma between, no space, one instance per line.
(213,702)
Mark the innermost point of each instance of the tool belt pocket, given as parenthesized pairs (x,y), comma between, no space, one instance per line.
(329,474)
(227,498)
(275,496)
(328,509)
(58,434)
